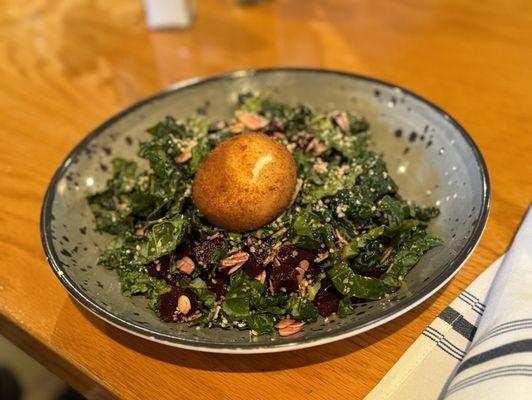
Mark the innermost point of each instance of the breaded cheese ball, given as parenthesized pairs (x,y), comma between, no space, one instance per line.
(245,182)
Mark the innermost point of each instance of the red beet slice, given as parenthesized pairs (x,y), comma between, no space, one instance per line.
(168,304)
(302,140)
(284,273)
(185,250)
(284,279)
(204,250)
(275,125)
(327,303)
(291,255)
(252,267)
(160,268)
(374,273)
(260,248)
(327,299)
(219,285)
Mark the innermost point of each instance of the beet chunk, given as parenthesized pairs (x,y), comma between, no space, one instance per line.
(219,285)
(275,125)
(160,268)
(374,273)
(252,267)
(327,303)
(260,248)
(203,251)
(169,304)
(312,273)
(284,279)
(327,299)
(292,256)
(284,273)
(302,140)
(185,250)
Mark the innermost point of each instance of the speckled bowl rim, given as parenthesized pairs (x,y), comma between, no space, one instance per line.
(295,343)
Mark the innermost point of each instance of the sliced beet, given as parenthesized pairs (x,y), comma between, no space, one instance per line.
(160,268)
(327,299)
(206,248)
(284,279)
(284,273)
(252,267)
(291,255)
(185,250)
(275,125)
(327,303)
(302,140)
(326,285)
(260,248)
(374,273)
(168,304)
(219,285)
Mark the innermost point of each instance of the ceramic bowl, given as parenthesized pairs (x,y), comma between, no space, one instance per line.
(431,157)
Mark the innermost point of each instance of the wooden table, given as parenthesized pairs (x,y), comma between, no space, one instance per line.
(65,66)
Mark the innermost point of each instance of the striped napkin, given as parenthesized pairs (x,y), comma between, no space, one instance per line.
(480,347)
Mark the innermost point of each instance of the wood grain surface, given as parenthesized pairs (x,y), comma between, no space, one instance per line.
(66,65)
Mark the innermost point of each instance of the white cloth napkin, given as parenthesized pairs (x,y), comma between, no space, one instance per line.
(480,347)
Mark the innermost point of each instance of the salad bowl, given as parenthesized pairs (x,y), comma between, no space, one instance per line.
(431,157)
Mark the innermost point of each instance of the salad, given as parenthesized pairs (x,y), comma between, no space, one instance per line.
(347,237)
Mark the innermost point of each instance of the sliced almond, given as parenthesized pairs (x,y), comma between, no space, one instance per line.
(386,254)
(261,277)
(342,122)
(183,304)
(237,128)
(234,260)
(300,274)
(291,329)
(251,120)
(183,157)
(185,265)
(321,257)
(341,239)
(304,264)
(284,323)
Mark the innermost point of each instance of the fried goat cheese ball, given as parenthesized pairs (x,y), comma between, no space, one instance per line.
(245,182)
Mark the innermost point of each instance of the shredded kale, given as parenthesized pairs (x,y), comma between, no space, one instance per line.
(358,236)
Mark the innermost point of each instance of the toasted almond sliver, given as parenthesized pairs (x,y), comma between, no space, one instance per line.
(284,323)
(214,236)
(342,122)
(304,264)
(183,304)
(183,157)
(237,127)
(386,254)
(300,274)
(341,239)
(185,265)
(235,259)
(235,268)
(261,277)
(251,120)
(291,329)
(321,257)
